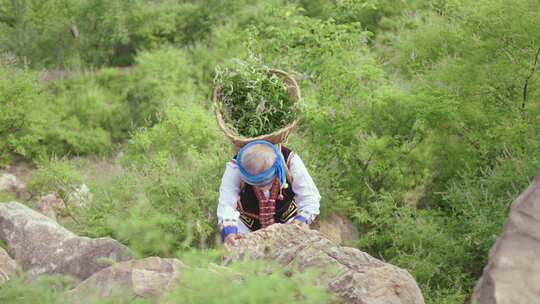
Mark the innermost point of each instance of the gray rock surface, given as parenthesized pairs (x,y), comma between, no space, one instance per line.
(149,277)
(337,228)
(40,245)
(355,276)
(512,274)
(8,267)
(9,182)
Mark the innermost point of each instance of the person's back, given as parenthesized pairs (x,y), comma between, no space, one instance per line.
(263,185)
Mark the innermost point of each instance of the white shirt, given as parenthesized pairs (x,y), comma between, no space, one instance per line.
(307,195)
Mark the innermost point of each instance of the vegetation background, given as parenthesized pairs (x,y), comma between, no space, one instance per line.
(420,122)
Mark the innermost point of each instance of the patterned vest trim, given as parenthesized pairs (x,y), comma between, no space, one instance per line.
(248,205)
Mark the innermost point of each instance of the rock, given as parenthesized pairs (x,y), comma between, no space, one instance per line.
(512,274)
(337,228)
(149,277)
(8,267)
(10,183)
(353,275)
(40,245)
(49,204)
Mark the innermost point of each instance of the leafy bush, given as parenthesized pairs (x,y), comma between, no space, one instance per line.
(246,282)
(31,124)
(19,93)
(169,185)
(45,289)
(55,176)
(159,79)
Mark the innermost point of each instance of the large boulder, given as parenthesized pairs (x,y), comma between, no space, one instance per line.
(149,277)
(40,245)
(8,267)
(353,275)
(337,228)
(512,274)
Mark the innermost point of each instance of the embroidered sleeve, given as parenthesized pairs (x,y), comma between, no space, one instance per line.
(306,193)
(229,194)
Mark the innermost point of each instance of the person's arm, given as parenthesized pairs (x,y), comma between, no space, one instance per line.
(229,194)
(306,193)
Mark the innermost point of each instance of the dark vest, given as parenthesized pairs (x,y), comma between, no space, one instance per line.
(248,206)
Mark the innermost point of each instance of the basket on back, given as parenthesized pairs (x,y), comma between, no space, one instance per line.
(277,137)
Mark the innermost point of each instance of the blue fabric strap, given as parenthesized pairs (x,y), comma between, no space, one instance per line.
(265,177)
(228,230)
(300,219)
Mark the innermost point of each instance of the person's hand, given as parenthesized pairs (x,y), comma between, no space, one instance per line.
(300,224)
(232,238)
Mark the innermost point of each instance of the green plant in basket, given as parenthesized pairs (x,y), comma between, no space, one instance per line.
(253,100)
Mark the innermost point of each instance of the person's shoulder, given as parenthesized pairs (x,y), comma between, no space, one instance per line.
(231,164)
(288,154)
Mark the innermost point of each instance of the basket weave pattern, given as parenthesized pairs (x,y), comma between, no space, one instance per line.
(277,137)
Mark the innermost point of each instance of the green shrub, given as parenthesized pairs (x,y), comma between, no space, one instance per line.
(19,124)
(34,125)
(55,176)
(159,79)
(169,184)
(260,282)
(45,289)
(96,100)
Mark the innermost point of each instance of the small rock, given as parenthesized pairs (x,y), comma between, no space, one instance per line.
(49,204)
(338,229)
(149,277)
(10,183)
(8,267)
(40,245)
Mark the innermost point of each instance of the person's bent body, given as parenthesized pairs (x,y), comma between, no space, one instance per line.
(262,186)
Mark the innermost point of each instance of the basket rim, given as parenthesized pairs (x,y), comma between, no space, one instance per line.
(238,139)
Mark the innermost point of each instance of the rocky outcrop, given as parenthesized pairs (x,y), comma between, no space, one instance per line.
(40,245)
(149,277)
(337,228)
(8,267)
(353,275)
(512,274)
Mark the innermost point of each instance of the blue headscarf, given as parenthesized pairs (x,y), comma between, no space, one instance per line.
(265,177)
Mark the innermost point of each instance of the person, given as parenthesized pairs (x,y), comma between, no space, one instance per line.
(262,185)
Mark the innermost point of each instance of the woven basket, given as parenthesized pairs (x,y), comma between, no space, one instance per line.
(277,137)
